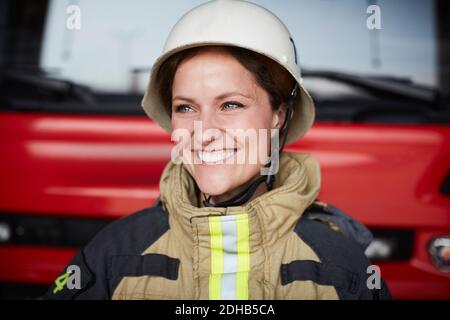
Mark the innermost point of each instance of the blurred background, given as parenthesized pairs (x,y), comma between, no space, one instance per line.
(77,151)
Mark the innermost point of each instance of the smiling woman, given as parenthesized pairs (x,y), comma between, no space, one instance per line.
(225,226)
(225,88)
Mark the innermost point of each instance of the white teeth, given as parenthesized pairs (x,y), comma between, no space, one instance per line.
(214,156)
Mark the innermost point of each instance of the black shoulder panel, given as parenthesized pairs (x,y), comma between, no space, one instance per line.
(343,263)
(347,225)
(115,252)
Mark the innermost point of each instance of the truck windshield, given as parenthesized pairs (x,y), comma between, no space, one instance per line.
(109,46)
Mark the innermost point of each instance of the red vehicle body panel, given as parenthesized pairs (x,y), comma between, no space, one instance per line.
(386,176)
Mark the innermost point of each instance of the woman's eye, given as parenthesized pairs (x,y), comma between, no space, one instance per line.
(232,105)
(183,108)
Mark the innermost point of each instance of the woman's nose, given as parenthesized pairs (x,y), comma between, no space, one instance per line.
(208,118)
(208,129)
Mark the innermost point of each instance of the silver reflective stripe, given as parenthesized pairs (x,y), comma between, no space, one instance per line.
(230,258)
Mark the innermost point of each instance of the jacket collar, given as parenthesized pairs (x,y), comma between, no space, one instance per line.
(296,186)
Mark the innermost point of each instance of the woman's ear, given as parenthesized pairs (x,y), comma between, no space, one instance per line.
(279,116)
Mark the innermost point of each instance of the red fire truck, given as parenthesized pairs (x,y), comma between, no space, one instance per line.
(74,157)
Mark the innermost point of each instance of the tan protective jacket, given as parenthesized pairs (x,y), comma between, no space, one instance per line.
(262,250)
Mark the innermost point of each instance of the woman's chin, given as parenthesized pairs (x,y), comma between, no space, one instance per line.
(213,190)
(214,185)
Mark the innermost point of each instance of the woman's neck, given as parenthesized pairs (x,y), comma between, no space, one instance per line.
(261,189)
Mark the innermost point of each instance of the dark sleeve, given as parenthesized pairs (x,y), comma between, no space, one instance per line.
(87,279)
(340,252)
(93,277)
(383,293)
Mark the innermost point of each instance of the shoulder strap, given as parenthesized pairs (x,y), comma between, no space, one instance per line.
(340,222)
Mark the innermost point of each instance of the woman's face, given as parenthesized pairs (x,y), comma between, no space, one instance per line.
(215,94)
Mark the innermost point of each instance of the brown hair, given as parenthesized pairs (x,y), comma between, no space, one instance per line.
(273,78)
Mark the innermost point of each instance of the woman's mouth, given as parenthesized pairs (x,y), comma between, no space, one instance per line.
(214,157)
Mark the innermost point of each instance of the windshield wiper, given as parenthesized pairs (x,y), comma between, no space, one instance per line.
(393,100)
(59,87)
(382,85)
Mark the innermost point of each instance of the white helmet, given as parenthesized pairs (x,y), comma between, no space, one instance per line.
(240,24)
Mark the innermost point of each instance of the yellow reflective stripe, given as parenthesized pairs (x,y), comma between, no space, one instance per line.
(242,234)
(215,277)
(242,285)
(243,248)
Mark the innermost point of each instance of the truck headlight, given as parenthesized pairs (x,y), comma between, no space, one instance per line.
(5,232)
(439,250)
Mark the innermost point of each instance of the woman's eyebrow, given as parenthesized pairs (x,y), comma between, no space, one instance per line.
(230,94)
(183,98)
(219,97)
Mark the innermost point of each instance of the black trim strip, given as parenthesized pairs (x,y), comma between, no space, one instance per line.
(319,273)
(153,264)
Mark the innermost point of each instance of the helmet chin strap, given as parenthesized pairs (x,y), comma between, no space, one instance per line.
(239,199)
(248,192)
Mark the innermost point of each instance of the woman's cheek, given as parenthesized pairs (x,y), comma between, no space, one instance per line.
(255,151)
